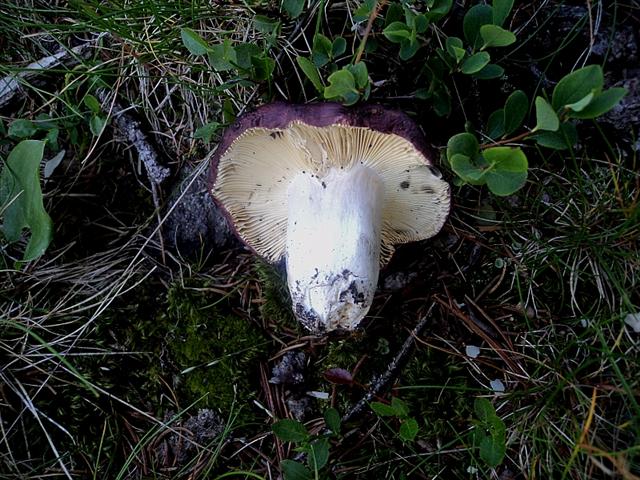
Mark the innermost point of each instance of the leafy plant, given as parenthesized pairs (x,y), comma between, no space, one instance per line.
(249,60)
(578,95)
(398,409)
(315,447)
(21,202)
(347,84)
(489,434)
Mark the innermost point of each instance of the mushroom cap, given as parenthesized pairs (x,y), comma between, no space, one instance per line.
(264,150)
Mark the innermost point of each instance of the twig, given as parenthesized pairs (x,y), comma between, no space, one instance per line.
(506,140)
(367,31)
(379,383)
(130,129)
(11,85)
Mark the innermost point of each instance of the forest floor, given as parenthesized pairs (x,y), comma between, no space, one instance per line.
(147,342)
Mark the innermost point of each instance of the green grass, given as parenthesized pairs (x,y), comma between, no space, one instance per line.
(111,342)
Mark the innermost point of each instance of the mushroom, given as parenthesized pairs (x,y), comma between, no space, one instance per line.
(331,190)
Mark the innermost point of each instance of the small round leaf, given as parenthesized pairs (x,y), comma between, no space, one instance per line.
(515,110)
(507,172)
(577,85)
(546,117)
(475,63)
(495,36)
(290,430)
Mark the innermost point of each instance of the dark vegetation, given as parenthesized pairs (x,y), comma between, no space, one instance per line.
(141,341)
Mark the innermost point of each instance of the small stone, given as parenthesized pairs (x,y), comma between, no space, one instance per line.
(633,320)
(195,223)
(299,407)
(319,395)
(472,351)
(201,429)
(290,369)
(497,385)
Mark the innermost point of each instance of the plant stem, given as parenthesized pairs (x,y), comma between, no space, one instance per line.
(505,141)
(367,31)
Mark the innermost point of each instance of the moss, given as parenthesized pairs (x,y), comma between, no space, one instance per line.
(215,353)
(444,405)
(188,345)
(276,302)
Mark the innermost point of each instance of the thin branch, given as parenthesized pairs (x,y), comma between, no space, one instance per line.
(11,85)
(506,140)
(367,31)
(381,382)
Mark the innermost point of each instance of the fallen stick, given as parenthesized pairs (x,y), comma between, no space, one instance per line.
(11,85)
(378,383)
(129,127)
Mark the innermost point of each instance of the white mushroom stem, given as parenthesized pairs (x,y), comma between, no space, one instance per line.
(333,246)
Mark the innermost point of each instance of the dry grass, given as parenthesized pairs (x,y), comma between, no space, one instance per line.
(542,288)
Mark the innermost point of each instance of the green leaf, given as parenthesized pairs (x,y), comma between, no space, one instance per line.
(455,48)
(22,128)
(492,451)
(566,137)
(194,43)
(421,23)
(408,49)
(501,10)
(581,104)
(546,117)
(244,52)
(466,170)
(293,470)
(408,429)
(438,9)
(332,420)
(290,430)
(52,138)
(601,103)
(91,103)
(206,131)
(394,13)
(495,124)
(463,143)
(96,124)
(222,56)
(400,407)
(495,36)
(21,199)
(396,32)
(338,47)
(483,409)
(319,454)
(577,85)
(475,63)
(507,170)
(322,50)
(476,17)
(342,85)
(515,110)
(265,24)
(496,427)
(293,7)
(360,74)
(363,12)
(489,72)
(263,67)
(311,72)
(383,410)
